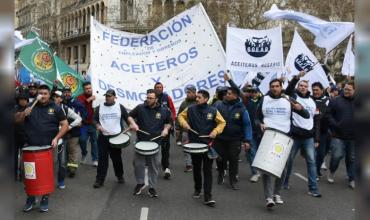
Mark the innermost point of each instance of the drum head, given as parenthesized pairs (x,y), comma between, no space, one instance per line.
(195,145)
(120,139)
(146,146)
(36,148)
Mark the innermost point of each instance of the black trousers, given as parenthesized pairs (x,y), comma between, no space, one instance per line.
(198,160)
(229,152)
(115,154)
(165,161)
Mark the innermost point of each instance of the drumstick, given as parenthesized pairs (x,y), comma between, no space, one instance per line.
(289,99)
(144,132)
(204,136)
(35,102)
(193,131)
(124,131)
(155,138)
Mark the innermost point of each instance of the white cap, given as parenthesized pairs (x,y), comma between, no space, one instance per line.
(58,93)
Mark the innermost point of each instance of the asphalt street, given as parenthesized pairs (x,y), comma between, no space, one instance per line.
(80,201)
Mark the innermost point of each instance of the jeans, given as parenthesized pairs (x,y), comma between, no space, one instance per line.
(105,149)
(321,152)
(86,132)
(339,149)
(251,154)
(308,147)
(61,159)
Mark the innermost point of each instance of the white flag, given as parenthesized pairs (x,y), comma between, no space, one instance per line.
(348,67)
(301,58)
(327,34)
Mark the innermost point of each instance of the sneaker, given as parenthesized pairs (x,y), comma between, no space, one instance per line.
(61,184)
(196,194)
(351,184)
(209,201)
(323,166)
(138,189)
(95,163)
(121,180)
(286,187)
(314,194)
(44,204)
(278,200)
(167,173)
(220,179)
(178,143)
(30,202)
(234,186)
(255,178)
(330,177)
(84,159)
(98,184)
(188,168)
(152,193)
(270,203)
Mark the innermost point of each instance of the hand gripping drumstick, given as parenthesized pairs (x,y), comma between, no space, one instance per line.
(36,101)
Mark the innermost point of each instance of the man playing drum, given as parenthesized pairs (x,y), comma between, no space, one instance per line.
(108,121)
(201,119)
(42,124)
(152,121)
(275,112)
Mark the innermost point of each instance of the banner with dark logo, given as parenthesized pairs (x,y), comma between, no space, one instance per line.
(301,58)
(253,51)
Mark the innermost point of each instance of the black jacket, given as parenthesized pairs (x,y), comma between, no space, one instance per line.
(341,118)
(321,105)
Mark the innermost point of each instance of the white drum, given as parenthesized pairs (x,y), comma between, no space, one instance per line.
(146,148)
(195,148)
(120,141)
(273,152)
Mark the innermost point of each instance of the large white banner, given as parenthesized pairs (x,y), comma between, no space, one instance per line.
(301,58)
(183,51)
(252,51)
(327,34)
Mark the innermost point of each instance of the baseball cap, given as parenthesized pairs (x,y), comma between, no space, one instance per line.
(110,92)
(67,88)
(58,93)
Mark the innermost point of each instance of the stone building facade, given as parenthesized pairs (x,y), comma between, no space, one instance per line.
(65,24)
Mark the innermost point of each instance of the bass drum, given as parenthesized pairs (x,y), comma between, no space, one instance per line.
(273,152)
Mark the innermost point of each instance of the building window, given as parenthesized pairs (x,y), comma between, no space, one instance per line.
(83,54)
(69,55)
(127,10)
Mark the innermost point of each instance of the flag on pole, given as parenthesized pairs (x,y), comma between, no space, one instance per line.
(301,58)
(37,58)
(68,76)
(19,41)
(327,34)
(348,67)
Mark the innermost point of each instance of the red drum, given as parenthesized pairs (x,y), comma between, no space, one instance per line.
(38,170)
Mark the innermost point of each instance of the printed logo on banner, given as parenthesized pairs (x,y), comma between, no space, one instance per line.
(256,81)
(42,60)
(258,46)
(29,170)
(303,62)
(69,80)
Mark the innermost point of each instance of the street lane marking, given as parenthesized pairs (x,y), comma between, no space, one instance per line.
(301,176)
(144,213)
